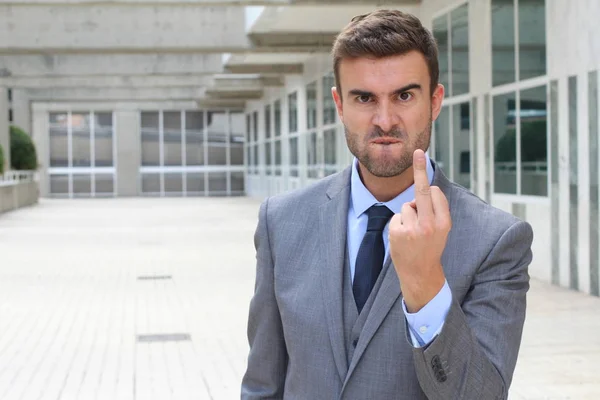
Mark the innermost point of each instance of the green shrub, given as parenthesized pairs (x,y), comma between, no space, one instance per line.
(23,155)
(1,160)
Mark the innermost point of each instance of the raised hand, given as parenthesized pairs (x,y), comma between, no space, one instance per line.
(417,238)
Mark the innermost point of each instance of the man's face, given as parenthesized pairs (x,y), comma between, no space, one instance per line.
(387,109)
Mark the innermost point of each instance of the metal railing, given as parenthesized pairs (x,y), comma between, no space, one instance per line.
(15,177)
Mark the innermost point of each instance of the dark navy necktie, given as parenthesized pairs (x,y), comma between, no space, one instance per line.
(369,260)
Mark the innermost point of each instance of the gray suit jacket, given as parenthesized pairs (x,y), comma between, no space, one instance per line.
(295,327)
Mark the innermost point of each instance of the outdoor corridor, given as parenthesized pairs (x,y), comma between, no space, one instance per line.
(147,298)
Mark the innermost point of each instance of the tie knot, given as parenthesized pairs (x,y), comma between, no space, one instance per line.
(378,217)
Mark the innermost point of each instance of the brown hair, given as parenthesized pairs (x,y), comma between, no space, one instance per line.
(385,33)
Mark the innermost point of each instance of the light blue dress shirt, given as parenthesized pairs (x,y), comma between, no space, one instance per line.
(425,324)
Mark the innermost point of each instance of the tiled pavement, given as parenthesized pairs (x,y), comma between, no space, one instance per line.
(81,281)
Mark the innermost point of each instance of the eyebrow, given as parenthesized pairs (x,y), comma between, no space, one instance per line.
(359,92)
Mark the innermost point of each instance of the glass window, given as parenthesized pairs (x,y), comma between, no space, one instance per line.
(268,121)
(277,117)
(269,161)
(195,183)
(59,144)
(311,105)
(505,140)
(440,32)
(461,135)
(194,138)
(59,184)
(236,127)
(328,103)
(442,140)
(460,50)
(293,112)
(248,127)
(81,134)
(82,185)
(311,155)
(237,183)
(534,160)
(150,138)
(172,138)
(573,182)
(151,183)
(217,183)
(255,125)
(330,146)
(103,138)
(294,156)
(532,38)
(104,184)
(593,157)
(278,157)
(503,42)
(217,137)
(173,183)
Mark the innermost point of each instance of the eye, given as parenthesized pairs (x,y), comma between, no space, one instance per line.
(405,96)
(363,98)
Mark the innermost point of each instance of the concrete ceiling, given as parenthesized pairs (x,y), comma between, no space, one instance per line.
(145,47)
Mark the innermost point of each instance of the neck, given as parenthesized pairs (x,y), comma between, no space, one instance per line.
(385,189)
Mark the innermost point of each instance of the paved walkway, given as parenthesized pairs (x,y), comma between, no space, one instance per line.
(147,299)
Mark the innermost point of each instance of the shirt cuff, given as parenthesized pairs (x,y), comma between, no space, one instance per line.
(427,323)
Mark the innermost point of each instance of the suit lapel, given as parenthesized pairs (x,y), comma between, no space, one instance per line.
(333,221)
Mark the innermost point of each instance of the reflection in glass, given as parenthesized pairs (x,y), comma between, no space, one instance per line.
(59,142)
(277,117)
(173,183)
(104,184)
(278,157)
(237,183)
(460,50)
(195,183)
(217,183)
(269,161)
(311,155)
(328,103)
(505,144)
(442,141)
(103,138)
(172,138)
(82,185)
(81,134)
(194,138)
(573,178)
(293,112)
(329,139)
(534,157)
(294,156)
(255,125)
(593,157)
(503,42)
(59,184)
(217,131)
(268,121)
(150,138)
(311,105)
(532,38)
(440,32)
(236,126)
(248,127)
(461,133)
(151,183)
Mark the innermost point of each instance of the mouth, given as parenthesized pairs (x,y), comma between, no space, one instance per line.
(385,141)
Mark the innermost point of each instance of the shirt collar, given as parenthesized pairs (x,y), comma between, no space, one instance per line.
(362,199)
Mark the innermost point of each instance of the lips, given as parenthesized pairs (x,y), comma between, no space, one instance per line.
(385,141)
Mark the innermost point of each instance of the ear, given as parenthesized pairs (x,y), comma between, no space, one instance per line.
(338,102)
(436,101)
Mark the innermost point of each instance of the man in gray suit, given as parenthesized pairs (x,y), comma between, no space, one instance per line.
(386,281)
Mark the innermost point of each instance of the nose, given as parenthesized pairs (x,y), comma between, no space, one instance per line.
(385,116)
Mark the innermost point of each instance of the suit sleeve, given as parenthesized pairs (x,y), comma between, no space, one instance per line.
(475,354)
(266,368)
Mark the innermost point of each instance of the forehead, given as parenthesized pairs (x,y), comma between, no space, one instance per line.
(384,74)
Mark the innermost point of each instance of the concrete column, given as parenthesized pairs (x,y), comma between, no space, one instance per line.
(21,110)
(41,138)
(4,132)
(129,153)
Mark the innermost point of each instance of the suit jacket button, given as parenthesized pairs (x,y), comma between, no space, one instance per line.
(354,342)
